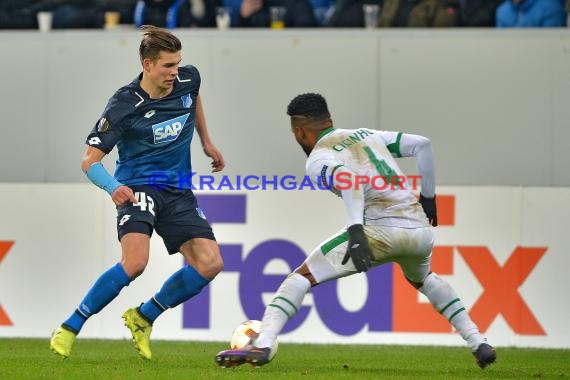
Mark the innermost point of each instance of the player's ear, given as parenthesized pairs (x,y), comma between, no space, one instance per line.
(147,63)
(299,133)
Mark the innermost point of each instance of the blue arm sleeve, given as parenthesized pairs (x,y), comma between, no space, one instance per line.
(100,177)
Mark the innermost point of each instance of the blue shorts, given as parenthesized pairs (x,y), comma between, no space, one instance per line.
(172,212)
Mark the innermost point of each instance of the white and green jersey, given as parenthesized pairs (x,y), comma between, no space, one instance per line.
(361,165)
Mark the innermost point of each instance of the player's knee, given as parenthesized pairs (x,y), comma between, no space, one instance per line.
(212,267)
(419,284)
(304,271)
(416,285)
(134,267)
(216,266)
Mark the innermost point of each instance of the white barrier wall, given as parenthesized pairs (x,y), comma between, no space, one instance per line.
(494,102)
(504,249)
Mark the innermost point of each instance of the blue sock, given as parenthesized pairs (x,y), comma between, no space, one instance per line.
(105,289)
(180,287)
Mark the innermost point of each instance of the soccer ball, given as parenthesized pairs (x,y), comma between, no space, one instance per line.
(244,334)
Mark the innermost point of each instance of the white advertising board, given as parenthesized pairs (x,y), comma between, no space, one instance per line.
(503,249)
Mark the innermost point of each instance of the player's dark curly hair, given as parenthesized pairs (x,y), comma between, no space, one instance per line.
(310,105)
(156,40)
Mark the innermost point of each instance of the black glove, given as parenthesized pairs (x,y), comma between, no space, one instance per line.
(358,248)
(430,209)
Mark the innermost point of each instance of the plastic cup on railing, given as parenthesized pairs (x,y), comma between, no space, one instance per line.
(371,15)
(44,21)
(277,17)
(223,17)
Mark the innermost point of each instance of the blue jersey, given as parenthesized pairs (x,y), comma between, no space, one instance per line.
(152,135)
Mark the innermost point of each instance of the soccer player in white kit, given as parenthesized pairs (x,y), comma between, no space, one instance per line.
(385,223)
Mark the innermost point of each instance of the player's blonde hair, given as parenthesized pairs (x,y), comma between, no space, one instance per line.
(156,40)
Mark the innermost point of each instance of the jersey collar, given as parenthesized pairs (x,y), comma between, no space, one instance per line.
(324,133)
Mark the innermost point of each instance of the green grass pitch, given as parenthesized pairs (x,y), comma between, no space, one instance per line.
(22,359)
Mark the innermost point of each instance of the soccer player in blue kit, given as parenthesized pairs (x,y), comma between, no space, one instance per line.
(151,121)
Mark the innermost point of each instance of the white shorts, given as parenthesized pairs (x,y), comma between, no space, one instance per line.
(409,247)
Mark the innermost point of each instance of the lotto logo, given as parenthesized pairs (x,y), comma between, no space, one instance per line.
(124,219)
(169,130)
(94,141)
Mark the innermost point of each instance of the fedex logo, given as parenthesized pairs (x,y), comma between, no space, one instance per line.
(169,130)
(5,246)
(399,308)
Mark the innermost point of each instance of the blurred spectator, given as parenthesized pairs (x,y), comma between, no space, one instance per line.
(322,9)
(125,7)
(531,14)
(234,6)
(420,13)
(75,14)
(478,13)
(18,14)
(176,13)
(347,14)
(78,14)
(162,13)
(399,13)
(203,13)
(255,13)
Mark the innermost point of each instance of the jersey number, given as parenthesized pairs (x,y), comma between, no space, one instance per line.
(144,201)
(381,166)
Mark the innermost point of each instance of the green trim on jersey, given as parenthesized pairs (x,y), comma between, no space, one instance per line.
(395,146)
(448,305)
(324,133)
(276,305)
(454,314)
(286,301)
(280,308)
(334,242)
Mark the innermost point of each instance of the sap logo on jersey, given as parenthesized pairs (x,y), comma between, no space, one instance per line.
(169,130)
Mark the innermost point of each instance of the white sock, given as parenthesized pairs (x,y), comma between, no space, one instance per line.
(285,305)
(445,300)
